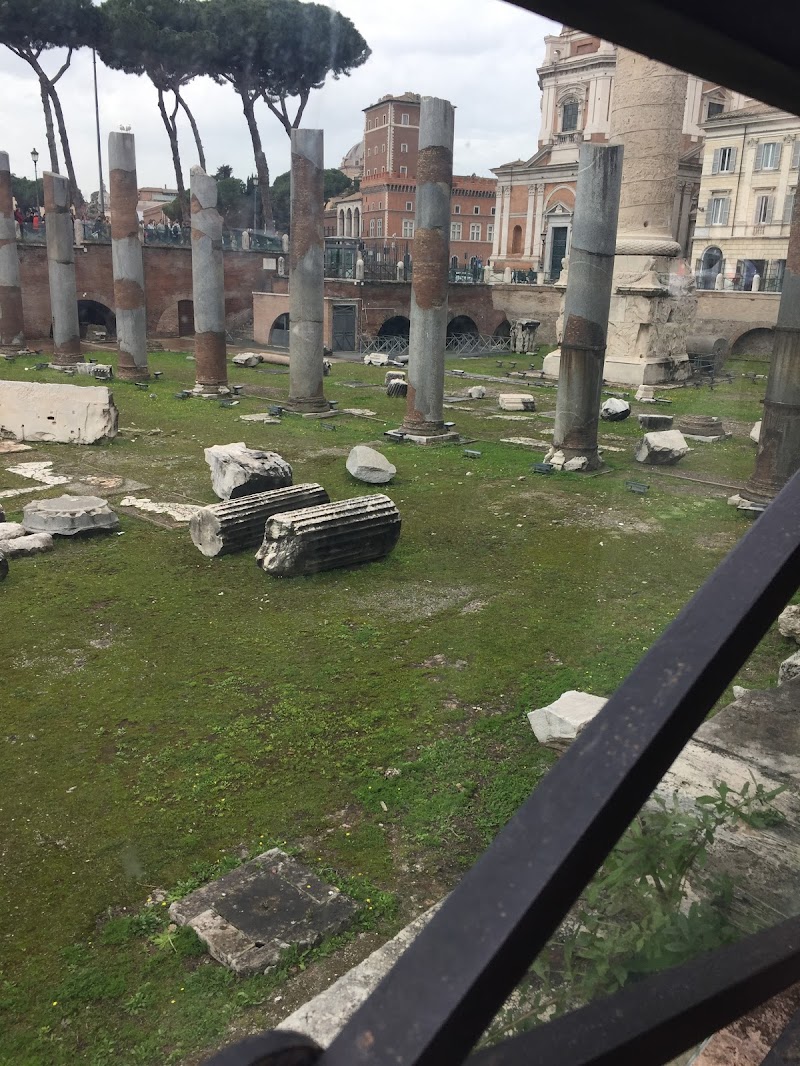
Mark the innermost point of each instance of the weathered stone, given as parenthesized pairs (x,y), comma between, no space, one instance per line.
(736,500)
(246,359)
(32,544)
(11,530)
(367,464)
(375,359)
(208,286)
(578,462)
(66,516)
(126,259)
(662,448)
(64,414)
(560,722)
(739,691)
(615,410)
(332,535)
(237,470)
(702,427)
(250,916)
(789,668)
(476,392)
(789,623)
(40,471)
(394,375)
(11,317)
(645,392)
(3,567)
(178,512)
(755,432)
(236,525)
(61,270)
(556,458)
(516,401)
(397,388)
(655,423)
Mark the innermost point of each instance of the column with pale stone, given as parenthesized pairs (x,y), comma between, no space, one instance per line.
(306,273)
(11,322)
(61,271)
(208,287)
(424,417)
(126,259)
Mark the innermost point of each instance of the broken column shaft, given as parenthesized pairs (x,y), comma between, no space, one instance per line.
(779,441)
(126,260)
(236,525)
(428,330)
(61,271)
(306,273)
(586,304)
(332,535)
(208,286)
(11,322)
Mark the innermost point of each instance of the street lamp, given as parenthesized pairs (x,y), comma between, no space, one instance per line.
(35,158)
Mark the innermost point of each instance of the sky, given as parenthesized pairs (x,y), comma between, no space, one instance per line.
(479,54)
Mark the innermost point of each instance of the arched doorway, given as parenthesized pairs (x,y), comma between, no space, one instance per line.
(516,241)
(348,223)
(711,264)
(185,318)
(396,326)
(279,334)
(462,326)
(356,223)
(503,331)
(93,313)
(755,343)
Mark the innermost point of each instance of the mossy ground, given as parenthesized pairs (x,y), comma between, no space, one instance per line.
(162,712)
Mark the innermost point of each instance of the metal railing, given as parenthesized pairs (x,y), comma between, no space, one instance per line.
(163,237)
(437,1000)
(461,343)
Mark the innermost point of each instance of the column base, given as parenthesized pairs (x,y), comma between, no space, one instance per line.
(417,435)
(575,460)
(133,373)
(210,392)
(618,371)
(307,405)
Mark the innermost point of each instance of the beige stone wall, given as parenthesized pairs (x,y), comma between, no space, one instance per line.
(540,302)
(267,306)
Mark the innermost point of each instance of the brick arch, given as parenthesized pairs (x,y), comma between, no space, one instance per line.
(166,324)
(105,298)
(763,336)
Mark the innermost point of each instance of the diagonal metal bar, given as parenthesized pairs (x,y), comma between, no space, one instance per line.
(658,1018)
(438,998)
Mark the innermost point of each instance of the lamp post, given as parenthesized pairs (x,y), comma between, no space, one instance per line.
(35,158)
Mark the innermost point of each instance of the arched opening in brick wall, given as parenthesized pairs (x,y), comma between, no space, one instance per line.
(396,326)
(757,343)
(185,318)
(516,241)
(462,326)
(503,331)
(94,317)
(279,333)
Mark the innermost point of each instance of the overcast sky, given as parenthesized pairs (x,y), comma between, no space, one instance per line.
(480,54)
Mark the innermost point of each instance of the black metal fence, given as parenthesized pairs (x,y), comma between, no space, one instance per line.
(162,235)
(435,1003)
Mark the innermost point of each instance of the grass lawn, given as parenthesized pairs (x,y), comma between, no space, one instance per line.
(164,714)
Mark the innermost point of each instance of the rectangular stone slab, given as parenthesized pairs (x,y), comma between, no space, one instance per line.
(60,414)
(247,918)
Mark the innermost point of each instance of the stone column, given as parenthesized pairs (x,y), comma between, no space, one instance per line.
(505,218)
(429,279)
(586,304)
(529,235)
(306,273)
(208,287)
(653,304)
(778,455)
(11,322)
(61,271)
(126,260)
(539,222)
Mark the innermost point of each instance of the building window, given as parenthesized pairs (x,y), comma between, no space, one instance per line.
(456,209)
(516,241)
(404,170)
(796,155)
(490,231)
(715,107)
(367,173)
(403,148)
(409,205)
(723,161)
(788,205)
(455,231)
(369,123)
(384,120)
(404,120)
(476,210)
(372,227)
(718,211)
(380,205)
(408,227)
(380,228)
(768,156)
(475,231)
(569,116)
(763,210)
(383,170)
(383,148)
(369,152)
(494,211)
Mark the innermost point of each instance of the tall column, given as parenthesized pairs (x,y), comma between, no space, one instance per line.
(653,306)
(505,218)
(529,221)
(126,259)
(11,326)
(306,272)
(208,286)
(61,271)
(538,227)
(779,441)
(586,304)
(498,221)
(429,280)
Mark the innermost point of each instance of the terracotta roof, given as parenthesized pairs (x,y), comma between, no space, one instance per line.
(749,111)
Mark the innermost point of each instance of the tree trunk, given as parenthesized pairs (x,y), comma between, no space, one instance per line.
(44,89)
(75,192)
(200,153)
(176,159)
(261,163)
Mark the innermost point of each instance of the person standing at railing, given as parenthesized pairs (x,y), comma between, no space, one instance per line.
(19,220)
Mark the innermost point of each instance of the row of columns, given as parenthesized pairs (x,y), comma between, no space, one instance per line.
(348,223)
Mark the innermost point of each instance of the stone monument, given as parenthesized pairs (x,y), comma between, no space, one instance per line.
(61,271)
(126,260)
(11,322)
(208,287)
(306,273)
(424,419)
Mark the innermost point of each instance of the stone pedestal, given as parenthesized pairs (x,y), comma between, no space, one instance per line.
(61,271)
(429,281)
(306,273)
(126,260)
(208,287)
(11,323)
